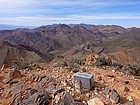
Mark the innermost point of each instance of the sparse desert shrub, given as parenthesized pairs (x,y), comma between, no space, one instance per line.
(75,62)
(22,63)
(101,61)
(133,72)
(132,69)
(58,64)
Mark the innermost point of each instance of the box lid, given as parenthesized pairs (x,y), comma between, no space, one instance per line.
(83,75)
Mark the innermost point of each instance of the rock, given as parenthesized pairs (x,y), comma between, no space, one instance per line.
(114,96)
(57,64)
(44,81)
(7,80)
(15,74)
(130,103)
(54,90)
(30,92)
(107,91)
(99,78)
(57,99)
(37,99)
(67,99)
(77,85)
(95,101)
(5,66)
(125,89)
(91,59)
(37,78)
(17,100)
(16,89)
(130,98)
(96,91)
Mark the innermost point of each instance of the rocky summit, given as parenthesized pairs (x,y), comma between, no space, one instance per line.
(56,86)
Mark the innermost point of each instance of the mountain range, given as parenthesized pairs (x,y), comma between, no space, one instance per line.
(74,40)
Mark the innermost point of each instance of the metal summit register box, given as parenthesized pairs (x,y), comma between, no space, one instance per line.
(85,79)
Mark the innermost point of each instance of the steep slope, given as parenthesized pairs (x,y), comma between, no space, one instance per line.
(68,36)
(9,53)
(76,39)
(124,48)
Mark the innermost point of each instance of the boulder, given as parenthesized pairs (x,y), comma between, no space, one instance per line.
(91,59)
(114,96)
(67,99)
(14,74)
(29,92)
(107,91)
(37,99)
(54,90)
(95,101)
(44,81)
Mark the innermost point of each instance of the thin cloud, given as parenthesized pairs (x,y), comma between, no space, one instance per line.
(40,20)
(41,12)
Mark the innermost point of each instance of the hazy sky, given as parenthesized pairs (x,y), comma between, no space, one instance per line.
(44,12)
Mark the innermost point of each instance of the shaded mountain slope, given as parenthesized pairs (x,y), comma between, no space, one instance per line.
(9,53)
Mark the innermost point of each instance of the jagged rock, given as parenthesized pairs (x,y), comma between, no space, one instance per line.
(91,59)
(44,81)
(7,80)
(67,99)
(114,96)
(15,74)
(54,90)
(37,78)
(107,91)
(17,100)
(17,88)
(30,92)
(95,101)
(37,99)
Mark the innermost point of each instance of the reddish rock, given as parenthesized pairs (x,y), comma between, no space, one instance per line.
(15,74)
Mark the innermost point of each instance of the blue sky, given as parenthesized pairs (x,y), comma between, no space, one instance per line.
(43,12)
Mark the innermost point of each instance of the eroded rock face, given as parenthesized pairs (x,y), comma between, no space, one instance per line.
(37,99)
(30,92)
(44,81)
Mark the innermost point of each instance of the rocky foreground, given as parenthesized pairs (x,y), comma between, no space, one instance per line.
(56,86)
